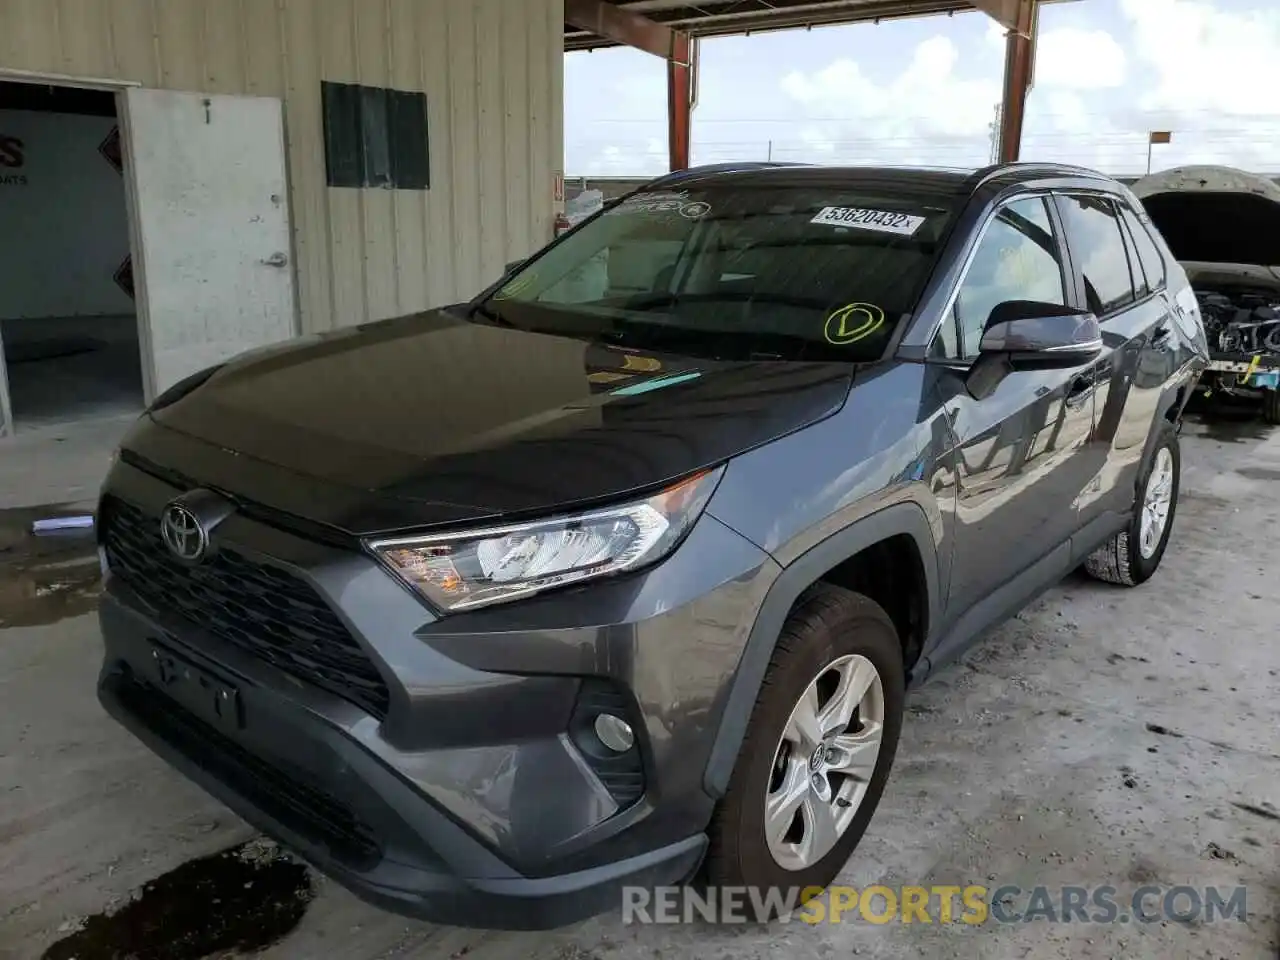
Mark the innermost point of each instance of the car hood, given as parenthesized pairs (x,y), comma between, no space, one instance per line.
(433,419)
(1235,275)
(1215,214)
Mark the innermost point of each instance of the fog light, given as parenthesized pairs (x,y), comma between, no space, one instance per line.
(614,732)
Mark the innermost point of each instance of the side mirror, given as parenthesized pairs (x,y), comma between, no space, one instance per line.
(1041,335)
(1030,335)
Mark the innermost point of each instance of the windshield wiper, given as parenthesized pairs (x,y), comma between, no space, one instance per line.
(482,309)
(649,301)
(717,344)
(652,301)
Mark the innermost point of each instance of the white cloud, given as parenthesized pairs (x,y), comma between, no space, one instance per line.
(910,115)
(612,160)
(1061,127)
(616,102)
(1207,59)
(996,35)
(927,97)
(1214,75)
(1205,72)
(1079,59)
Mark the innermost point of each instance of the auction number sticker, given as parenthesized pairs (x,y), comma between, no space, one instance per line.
(884,221)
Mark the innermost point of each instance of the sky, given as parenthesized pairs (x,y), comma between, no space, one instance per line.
(925,91)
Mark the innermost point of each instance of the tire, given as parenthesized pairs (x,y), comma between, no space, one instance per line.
(1271,406)
(829,626)
(1123,559)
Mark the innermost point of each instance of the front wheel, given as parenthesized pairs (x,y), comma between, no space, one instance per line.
(1132,555)
(818,748)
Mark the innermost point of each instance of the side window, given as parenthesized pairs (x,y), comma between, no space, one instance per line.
(1148,253)
(1017,259)
(1097,245)
(1141,285)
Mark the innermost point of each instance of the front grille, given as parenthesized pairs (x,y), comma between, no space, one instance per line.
(273,787)
(258,608)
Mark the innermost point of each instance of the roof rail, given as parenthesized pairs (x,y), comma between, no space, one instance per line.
(728,167)
(1034,166)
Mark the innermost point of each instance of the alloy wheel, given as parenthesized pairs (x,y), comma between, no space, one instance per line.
(1157,500)
(824,762)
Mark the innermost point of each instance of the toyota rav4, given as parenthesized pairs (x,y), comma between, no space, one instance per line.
(620,571)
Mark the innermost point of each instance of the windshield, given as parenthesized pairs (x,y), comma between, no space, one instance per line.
(793,273)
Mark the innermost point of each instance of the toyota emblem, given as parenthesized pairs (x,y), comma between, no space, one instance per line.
(183,533)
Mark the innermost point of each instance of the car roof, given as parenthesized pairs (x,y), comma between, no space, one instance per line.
(934,181)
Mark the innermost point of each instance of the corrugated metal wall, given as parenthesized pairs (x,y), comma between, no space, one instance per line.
(492,72)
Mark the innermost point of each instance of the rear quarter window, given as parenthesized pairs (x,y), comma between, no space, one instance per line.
(1148,253)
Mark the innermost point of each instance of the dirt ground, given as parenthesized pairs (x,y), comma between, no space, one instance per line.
(1103,736)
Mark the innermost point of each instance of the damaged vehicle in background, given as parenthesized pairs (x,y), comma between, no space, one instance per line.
(1223,225)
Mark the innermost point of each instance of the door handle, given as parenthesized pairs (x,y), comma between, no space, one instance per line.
(277,259)
(1160,335)
(1079,389)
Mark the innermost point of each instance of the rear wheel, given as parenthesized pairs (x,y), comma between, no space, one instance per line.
(1132,555)
(818,749)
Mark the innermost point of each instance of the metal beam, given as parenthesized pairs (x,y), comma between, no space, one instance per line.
(626,27)
(680,102)
(714,18)
(1019,63)
(1007,13)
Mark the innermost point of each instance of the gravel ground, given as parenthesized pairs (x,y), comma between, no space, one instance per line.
(1103,736)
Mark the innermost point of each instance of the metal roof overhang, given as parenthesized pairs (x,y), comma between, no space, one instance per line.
(670,29)
(718,18)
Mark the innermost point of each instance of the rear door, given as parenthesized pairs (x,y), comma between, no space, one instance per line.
(1019,453)
(1127,291)
(208,187)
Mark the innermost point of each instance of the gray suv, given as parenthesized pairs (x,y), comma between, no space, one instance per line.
(620,571)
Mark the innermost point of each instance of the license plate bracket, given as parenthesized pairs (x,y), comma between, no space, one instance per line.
(209,696)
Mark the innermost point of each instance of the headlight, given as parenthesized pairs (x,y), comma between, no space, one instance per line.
(478,567)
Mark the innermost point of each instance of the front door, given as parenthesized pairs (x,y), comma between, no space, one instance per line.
(211,228)
(1020,466)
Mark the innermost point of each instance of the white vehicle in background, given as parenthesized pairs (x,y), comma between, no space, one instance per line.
(1223,225)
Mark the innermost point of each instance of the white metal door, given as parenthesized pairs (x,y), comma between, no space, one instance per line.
(211,228)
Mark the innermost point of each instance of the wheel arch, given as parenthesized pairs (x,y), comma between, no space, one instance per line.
(899,520)
(1173,402)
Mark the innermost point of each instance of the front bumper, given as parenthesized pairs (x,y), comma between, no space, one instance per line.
(302,782)
(470,801)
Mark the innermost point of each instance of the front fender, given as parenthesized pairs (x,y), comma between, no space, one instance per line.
(900,518)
